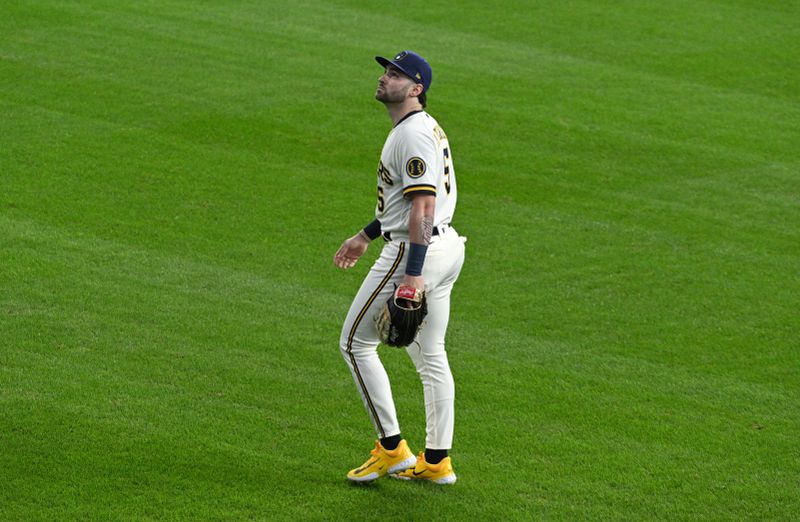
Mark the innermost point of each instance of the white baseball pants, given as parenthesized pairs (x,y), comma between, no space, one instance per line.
(359,340)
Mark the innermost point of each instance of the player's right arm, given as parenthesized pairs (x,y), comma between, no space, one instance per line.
(354,247)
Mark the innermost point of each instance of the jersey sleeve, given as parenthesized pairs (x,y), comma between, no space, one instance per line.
(418,160)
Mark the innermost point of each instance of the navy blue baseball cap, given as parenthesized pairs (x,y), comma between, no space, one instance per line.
(413,65)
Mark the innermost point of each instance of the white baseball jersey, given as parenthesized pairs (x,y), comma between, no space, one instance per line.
(416,159)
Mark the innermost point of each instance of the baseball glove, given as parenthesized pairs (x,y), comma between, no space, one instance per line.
(401,316)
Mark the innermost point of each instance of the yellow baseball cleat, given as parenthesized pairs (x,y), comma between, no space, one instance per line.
(383,462)
(441,473)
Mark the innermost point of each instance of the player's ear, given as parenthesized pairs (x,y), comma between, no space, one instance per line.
(415,91)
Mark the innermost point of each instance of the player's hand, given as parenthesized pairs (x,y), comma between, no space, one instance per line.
(416,281)
(352,249)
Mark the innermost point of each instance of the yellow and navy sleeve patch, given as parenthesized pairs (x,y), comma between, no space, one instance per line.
(415,167)
(413,190)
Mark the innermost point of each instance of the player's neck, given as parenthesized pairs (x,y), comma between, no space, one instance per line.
(398,111)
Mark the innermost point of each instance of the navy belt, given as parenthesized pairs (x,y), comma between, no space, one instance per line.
(388,235)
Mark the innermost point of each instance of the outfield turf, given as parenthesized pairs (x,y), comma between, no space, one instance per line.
(176,176)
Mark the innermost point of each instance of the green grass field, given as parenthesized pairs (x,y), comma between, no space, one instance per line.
(175,177)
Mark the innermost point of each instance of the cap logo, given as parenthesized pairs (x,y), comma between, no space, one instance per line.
(401,56)
(418,76)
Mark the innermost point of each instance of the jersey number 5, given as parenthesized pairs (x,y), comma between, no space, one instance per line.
(381,201)
(447,164)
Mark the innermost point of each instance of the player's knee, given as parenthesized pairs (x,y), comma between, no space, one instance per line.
(344,337)
(351,347)
(435,366)
(343,347)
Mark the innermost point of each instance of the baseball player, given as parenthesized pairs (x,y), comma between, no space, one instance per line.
(416,201)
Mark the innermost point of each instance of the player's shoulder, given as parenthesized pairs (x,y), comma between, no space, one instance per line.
(418,125)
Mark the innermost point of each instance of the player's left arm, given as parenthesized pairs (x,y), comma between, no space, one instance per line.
(420,231)
(419,156)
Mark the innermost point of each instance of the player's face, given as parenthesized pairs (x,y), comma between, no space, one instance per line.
(393,86)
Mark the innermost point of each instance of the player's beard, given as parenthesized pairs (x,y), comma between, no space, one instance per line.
(398,96)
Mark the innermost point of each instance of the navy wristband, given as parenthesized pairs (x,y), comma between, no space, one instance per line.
(373,230)
(416,258)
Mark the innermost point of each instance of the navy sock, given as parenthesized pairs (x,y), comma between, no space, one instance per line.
(390,443)
(433,456)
